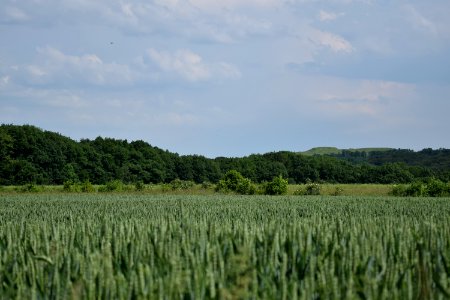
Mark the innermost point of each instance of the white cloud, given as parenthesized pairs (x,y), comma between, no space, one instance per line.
(234,4)
(419,21)
(327,16)
(332,41)
(55,66)
(363,97)
(191,66)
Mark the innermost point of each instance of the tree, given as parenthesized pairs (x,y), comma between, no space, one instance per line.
(233,181)
(278,186)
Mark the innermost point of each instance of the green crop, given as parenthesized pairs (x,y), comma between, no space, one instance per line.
(107,246)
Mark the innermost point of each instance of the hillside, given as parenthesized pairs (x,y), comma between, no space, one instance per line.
(336,151)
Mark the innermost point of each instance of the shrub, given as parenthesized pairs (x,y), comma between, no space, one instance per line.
(139,186)
(416,189)
(206,185)
(435,188)
(233,181)
(398,190)
(278,186)
(338,191)
(71,186)
(178,184)
(309,189)
(312,189)
(87,187)
(112,186)
(30,188)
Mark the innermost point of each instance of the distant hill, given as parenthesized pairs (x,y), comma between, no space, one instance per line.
(336,151)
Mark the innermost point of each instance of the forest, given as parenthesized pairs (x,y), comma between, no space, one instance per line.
(32,155)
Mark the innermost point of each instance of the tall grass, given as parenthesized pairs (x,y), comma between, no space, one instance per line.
(118,246)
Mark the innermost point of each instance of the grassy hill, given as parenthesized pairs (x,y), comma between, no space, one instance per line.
(334,150)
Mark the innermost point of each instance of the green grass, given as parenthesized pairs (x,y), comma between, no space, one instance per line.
(130,246)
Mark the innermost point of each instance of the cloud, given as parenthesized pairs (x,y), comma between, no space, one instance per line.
(332,41)
(234,4)
(421,22)
(191,66)
(327,16)
(363,97)
(53,66)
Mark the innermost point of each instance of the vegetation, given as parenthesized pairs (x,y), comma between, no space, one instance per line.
(430,188)
(33,156)
(117,246)
(278,186)
(312,189)
(233,181)
(337,152)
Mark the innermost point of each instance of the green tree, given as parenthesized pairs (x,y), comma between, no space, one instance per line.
(233,181)
(278,186)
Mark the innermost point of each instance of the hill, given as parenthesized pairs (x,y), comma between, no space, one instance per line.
(336,151)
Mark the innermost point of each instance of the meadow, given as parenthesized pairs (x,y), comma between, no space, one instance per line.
(143,246)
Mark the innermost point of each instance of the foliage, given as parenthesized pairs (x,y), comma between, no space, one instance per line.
(278,186)
(32,155)
(108,246)
(87,187)
(30,188)
(178,184)
(310,189)
(78,187)
(206,185)
(139,186)
(233,181)
(431,188)
(338,191)
(436,188)
(116,186)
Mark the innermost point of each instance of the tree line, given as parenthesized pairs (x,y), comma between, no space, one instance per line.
(32,155)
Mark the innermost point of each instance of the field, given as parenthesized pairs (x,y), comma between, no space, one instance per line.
(131,246)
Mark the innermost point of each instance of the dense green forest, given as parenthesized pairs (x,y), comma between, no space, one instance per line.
(32,155)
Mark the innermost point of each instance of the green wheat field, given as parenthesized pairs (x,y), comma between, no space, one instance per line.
(129,246)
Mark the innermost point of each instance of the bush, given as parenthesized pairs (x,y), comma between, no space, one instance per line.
(178,184)
(278,186)
(206,185)
(309,189)
(87,187)
(112,186)
(433,188)
(398,190)
(71,186)
(139,186)
(416,189)
(30,188)
(338,191)
(233,181)
(436,188)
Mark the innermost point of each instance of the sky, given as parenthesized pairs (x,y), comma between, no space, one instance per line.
(230,77)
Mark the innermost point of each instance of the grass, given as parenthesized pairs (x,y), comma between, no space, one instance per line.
(160,189)
(131,246)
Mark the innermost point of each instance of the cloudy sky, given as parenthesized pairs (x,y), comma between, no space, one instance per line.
(230,77)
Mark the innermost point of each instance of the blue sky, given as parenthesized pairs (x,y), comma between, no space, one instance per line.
(230,77)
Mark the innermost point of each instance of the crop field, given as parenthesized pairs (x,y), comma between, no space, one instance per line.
(131,246)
